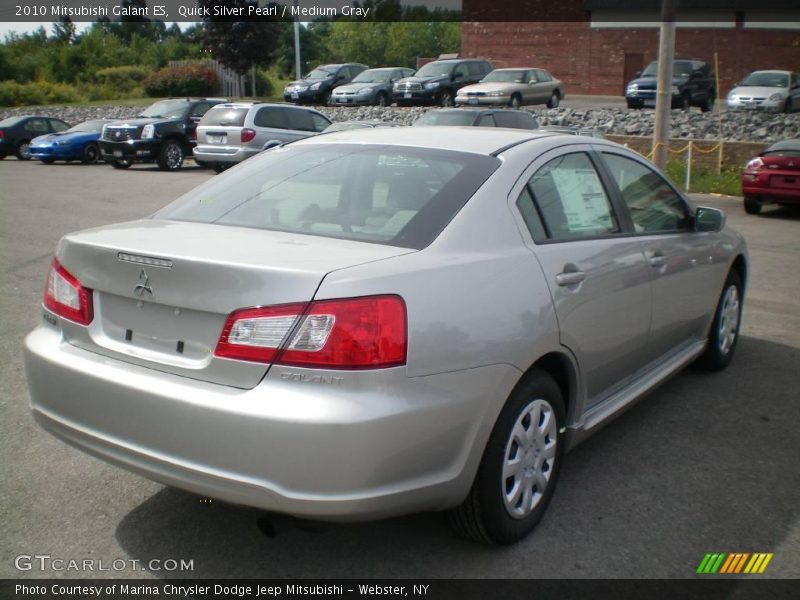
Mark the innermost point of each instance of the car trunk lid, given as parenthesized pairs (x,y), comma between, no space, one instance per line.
(162,290)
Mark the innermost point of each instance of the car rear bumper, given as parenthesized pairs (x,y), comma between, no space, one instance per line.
(213,153)
(772,194)
(356,446)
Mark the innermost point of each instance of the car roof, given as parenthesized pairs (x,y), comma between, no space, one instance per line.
(475,140)
(780,71)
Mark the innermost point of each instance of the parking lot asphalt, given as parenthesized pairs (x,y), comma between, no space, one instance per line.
(707,463)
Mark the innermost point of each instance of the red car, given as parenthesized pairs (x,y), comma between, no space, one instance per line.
(772,177)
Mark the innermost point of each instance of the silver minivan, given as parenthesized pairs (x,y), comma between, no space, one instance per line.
(229,133)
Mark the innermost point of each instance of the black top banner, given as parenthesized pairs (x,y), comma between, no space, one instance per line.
(394,10)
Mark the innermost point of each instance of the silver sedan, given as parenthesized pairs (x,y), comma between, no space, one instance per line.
(514,87)
(381,321)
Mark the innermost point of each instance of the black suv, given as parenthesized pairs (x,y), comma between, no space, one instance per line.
(692,85)
(164,133)
(437,82)
(318,85)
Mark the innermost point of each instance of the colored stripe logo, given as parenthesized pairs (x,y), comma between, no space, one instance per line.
(734,563)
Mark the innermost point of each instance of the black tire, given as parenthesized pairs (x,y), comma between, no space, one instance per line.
(381,99)
(446,98)
(724,334)
(554,101)
(47,161)
(515,101)
(170,157)
(484,515)
(91,154)
(23,150)
(634,105)
(787,108)
(752,206)
(686,102)
(120,163)
(218,168)
(708,105)
(326,98)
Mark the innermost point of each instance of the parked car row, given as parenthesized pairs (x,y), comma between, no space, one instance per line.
(443,82)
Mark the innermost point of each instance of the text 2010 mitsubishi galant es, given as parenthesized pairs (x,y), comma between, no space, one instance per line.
(376,322)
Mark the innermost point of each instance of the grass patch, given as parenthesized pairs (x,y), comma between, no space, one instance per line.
(704,181)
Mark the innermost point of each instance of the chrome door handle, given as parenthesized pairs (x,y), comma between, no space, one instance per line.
(570,277)
(658,259)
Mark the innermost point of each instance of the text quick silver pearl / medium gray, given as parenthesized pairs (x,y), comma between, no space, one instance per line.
(381,321)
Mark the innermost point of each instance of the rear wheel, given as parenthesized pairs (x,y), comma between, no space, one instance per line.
(91,154)
(519,468)
(686,102)
(725,328)
(382,99)
(787,108)
(24,150)
(170,158)
(752,206)
(708,105)
(515,101)
(554,100)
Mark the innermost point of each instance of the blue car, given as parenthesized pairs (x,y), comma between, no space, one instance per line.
(76,143)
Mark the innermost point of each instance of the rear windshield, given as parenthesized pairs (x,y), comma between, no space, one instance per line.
(224,117)
(398,196)
(451,117)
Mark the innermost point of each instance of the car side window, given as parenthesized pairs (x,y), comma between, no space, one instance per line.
(533,77)
(299,120)
(571,200)
(37,126)
(653,204)
(486,121)
(475,71)
(531,215)
(200,109)
(271,116)
(320,122)
(463,70)
(544,75)
(57,125)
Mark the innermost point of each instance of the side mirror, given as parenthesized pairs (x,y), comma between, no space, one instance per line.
(708,219)
(458,76)
(637,74)
(195,118)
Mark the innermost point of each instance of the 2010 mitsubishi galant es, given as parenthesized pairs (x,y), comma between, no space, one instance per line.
(382,321)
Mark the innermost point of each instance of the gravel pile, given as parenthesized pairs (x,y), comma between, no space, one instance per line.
(740,126)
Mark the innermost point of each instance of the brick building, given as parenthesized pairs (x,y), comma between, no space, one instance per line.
(596,48)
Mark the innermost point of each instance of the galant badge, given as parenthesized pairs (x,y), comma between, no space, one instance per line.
(143,285)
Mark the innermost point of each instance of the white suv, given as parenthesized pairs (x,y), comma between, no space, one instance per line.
(229,133)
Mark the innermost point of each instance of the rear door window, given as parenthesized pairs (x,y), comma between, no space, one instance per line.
(571,200)
(300,120)
(57,125)
(274,117)
(37,126)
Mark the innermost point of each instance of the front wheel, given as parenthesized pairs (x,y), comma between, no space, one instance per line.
(725,328)
(554,100)
(120,163)
(708,105)
(446,98)
(787,108)
(47,161)
(752,206)
(686,102)
(519,468)
(170,158)
(381,99)
(514,102)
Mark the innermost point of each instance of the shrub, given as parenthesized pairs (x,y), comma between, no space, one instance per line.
(124,79)
(186,80)
(37,92)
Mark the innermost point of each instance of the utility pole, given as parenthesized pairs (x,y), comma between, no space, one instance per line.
(297,68)
(666,56)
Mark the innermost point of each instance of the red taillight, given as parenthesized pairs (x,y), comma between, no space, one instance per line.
(66,297)
(2,134)
(247,135)
(349,333)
